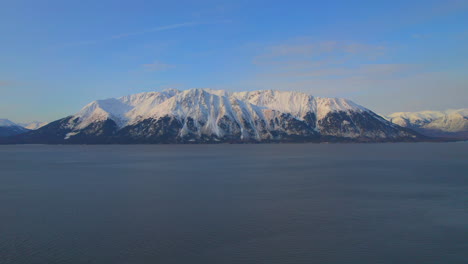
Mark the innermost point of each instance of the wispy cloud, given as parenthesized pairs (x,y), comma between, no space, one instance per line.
(410,92)
(316,54)
(156,29)
(327,68)
(141,32)
(365,71)
(157,66)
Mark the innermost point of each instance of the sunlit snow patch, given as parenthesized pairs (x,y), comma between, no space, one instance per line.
(71,134)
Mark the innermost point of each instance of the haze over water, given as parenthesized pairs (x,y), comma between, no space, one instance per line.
(268,203)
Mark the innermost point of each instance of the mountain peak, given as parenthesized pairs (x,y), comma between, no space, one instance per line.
(6,123)
(171,91)
(33,125)
(9,128)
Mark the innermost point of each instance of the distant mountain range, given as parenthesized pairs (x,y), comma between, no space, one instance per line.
(217,116)
(449,123)
(33,125)
(8,128)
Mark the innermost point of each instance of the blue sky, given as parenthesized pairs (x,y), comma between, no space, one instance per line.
(57,56)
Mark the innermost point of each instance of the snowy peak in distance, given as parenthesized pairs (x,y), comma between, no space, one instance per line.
(9,128)
(6,123)
(448,123)
(33,125)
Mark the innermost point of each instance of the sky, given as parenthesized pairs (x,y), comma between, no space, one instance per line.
(389,56)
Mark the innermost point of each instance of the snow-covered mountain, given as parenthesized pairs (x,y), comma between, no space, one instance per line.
(8,128)
(449,123)
(6,123)
(205,115)
(33,125)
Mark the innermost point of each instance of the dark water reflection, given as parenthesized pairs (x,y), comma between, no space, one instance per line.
(343,203)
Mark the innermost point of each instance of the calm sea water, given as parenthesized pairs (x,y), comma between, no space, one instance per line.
(285,203)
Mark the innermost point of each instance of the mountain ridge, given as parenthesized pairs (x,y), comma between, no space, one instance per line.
(216,116)
(9,128)
(33,125)
(451,123)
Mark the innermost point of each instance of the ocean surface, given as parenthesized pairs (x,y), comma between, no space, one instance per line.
(268,203)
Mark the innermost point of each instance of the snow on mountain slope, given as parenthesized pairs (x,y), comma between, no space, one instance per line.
(329,116)
(102,110)
(9,128)
(33,125)
(435,123)
(298,104)
(415,118)
(205,115)
(251,111)
(120,110)
(203,112)
(6,123)
(130,109)
(146,102)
